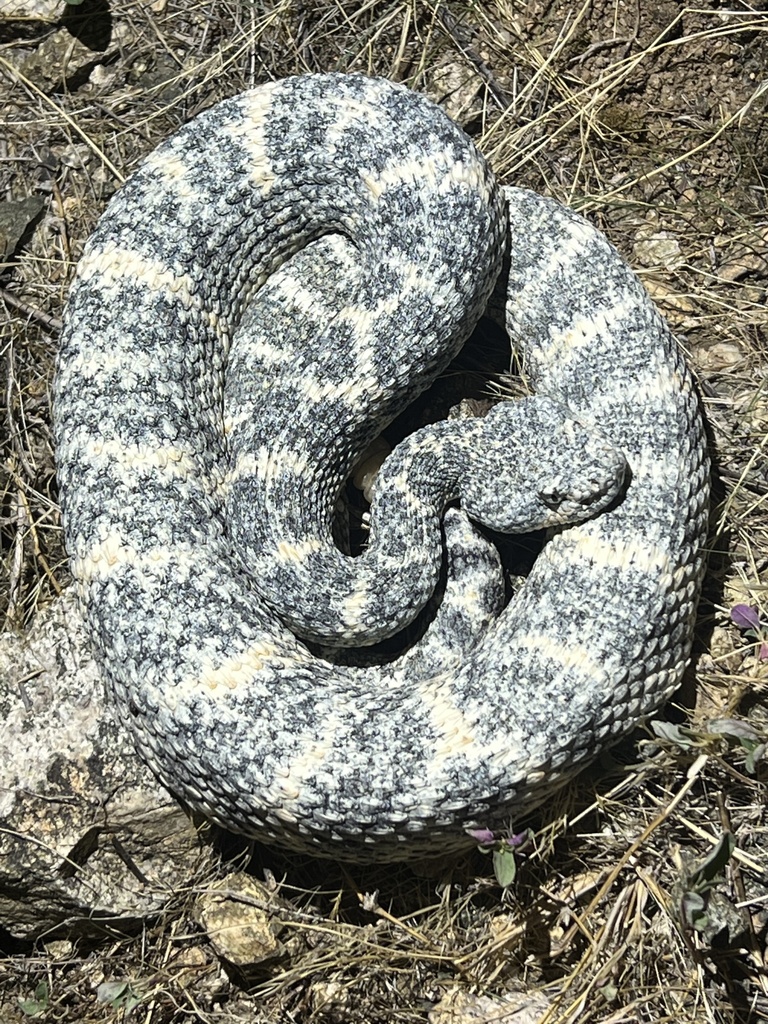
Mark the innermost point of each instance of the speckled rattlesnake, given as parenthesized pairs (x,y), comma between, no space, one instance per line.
(190,611)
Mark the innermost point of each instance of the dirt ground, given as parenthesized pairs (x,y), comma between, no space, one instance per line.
(651,120)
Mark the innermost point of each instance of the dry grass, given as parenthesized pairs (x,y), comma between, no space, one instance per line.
(654,124)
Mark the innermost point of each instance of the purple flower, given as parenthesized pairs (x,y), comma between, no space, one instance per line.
(484,836)
(520,839)
(745,616)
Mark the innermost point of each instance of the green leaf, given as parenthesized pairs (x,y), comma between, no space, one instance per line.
(733,729)
(111,991)
(119,994)
(504,865)
(694,909)
(608,991)
(703,878)
(38,1004)
(749,739)
(31,1008)
(676,734)
(755,753)
(131,1000)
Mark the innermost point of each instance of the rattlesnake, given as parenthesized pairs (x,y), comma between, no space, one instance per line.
(190,610)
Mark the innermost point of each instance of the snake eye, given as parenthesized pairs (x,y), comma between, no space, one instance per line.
(552,497)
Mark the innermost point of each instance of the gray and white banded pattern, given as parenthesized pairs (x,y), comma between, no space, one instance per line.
(263,295)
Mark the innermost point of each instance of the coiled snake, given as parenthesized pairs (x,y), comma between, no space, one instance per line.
(266,292)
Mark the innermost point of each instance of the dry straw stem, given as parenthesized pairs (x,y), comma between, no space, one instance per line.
(56,109)
(511,149)
(651,119)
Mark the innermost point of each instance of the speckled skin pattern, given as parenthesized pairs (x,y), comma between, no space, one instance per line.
(222,368)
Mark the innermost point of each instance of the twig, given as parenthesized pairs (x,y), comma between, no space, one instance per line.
(51,323)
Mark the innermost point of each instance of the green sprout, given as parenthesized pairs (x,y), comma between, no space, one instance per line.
(505,850)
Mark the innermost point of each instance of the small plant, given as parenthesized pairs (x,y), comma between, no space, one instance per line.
(734,731)
(505,850)
(701,881)
(38,1004)
(119,994)
(741,734)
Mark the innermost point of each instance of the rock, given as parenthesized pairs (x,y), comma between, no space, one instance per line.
(31,10)
(460,1007)
(59,58)
(719,356)
(16,219)
(749,257)
(86,832)
(244,921)
(456,87)
(661,249)
(669,299)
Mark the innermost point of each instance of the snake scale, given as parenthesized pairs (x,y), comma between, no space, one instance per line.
(262,296)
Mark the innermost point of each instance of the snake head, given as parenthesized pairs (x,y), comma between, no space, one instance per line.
(538,466)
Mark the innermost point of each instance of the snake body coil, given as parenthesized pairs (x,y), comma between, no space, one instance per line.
(197,632)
